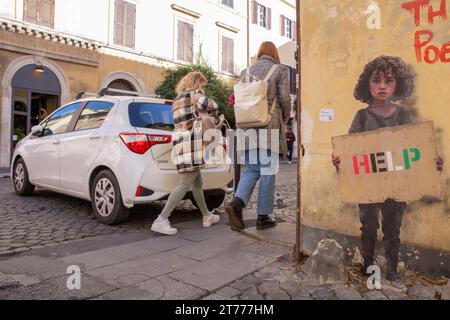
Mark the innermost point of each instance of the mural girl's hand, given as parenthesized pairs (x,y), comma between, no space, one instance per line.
(336,160)
(439,163)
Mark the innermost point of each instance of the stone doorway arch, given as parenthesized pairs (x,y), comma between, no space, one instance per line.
(7,90)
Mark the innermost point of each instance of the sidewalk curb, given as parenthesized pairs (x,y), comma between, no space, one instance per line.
(286,236)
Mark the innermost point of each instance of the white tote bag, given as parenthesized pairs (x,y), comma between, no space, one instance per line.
(251,108)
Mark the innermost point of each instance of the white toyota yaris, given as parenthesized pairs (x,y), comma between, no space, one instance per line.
(114,151)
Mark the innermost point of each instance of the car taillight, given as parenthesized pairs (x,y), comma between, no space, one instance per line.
(140,143)
(158,139)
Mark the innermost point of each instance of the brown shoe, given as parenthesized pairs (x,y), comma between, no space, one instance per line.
(234,211)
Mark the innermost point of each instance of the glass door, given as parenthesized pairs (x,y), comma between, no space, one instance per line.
(29,109)
(21,115)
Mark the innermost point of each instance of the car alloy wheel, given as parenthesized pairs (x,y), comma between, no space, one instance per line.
(104,197)
(19,176)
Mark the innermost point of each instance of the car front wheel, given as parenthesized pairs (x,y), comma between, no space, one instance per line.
(107,200)
(22,184)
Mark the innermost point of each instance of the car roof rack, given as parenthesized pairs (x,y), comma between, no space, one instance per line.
(83,93)
(119,92)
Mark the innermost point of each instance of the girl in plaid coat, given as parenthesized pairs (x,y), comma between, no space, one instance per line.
(188,149)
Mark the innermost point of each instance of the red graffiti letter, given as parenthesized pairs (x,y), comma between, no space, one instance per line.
(364,164)
(441,13)
(414,7)
(445,52)
(418,44)
(427,54)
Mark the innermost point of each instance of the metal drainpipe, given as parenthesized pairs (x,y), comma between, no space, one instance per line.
(297,250)
(248,33)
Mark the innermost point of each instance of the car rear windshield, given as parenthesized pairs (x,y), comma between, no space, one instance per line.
(151,115)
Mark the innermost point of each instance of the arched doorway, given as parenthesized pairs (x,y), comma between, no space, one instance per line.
(36,92)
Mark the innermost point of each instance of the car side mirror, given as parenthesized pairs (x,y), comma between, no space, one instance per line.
(37,131)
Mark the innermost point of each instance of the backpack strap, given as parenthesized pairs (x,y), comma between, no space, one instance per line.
(270,73)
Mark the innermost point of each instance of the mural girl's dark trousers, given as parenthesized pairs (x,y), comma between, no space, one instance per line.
(392,212)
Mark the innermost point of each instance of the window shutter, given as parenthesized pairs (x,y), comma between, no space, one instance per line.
(180,40)
(254,12)
(130,24)
(224,54)
(269,19)
(230,46)
(282,25)
(294,29)
(189,43)
(45,13)
(119,18)
(30,10)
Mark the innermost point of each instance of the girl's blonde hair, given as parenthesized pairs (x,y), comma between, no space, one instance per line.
(269,49)
(192,81)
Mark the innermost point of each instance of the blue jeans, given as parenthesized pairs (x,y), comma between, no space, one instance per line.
(259,168)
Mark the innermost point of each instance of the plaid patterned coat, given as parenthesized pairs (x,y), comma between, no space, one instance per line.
(188,143)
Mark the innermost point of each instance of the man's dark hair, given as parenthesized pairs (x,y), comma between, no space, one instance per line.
(405,79)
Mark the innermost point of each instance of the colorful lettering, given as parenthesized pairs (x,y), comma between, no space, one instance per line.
(383,161)
(364,164)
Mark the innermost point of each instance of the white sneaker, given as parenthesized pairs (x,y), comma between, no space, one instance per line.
(162,225)
(211,219)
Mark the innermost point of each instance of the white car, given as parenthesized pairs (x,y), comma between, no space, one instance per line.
(112,150)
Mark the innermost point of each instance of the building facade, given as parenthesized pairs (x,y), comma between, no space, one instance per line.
(50,50)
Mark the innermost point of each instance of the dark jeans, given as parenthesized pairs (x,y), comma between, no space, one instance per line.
(392,212)
(290,150)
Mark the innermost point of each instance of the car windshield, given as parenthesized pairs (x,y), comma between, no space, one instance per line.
(151,115)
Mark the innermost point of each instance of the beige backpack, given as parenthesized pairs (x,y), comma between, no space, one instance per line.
(251,108)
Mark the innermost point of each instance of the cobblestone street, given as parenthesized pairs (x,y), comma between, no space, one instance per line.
(46,222)
(48,218)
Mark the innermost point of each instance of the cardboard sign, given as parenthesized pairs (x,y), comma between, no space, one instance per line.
(390,163)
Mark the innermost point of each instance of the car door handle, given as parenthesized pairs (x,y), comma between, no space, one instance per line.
(94,137)
(56,142)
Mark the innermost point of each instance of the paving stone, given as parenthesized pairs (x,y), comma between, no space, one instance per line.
(228,292)
(56,289)
(347,293)
(322,293)
(33,266)
(374,295)
(251,294)
(293,289)
(150,267)
(6,282)
(240,285)
(422,292)
(252,279)
(446,292)
(272,291)
(93,260)
(219,271)
(216,246)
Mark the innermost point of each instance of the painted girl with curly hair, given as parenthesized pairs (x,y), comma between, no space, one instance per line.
(384,81)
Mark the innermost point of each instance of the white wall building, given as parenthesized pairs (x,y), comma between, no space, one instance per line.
(84,45)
